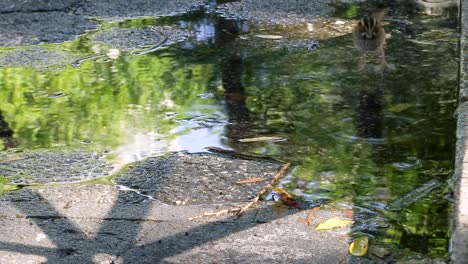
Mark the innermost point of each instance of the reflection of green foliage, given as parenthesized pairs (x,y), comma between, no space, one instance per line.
(312,98)
(319,116)
(346,10)
(101,102)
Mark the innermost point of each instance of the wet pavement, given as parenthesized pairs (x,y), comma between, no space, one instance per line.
(121,105)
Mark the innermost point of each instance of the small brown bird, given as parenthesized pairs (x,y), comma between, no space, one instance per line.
(369,36)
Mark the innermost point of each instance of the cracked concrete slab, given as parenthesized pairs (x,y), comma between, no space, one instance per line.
(22,29)
(36,56)
(197,178)
(31,6)
(112,10)
(46,166)
(136,38)
(276,12)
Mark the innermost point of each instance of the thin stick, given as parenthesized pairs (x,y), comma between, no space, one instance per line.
(274,180)
(255,200)
(216,214)
(280,173)
(240,210)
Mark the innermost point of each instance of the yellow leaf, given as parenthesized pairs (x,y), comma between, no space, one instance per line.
(333,223)
(282,192)
(359,246)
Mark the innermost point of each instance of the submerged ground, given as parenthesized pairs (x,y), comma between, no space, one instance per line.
(146,114)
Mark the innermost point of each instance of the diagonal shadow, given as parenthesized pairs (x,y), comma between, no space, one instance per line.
(118,234)
(178,243)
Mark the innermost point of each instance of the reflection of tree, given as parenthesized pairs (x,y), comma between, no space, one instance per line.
(99,101)
(6,134)
(240,119)
(5,131)
(332,116)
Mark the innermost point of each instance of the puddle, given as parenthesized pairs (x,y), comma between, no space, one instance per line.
(361,138)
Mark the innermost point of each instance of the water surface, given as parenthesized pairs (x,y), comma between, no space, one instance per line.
(361,139)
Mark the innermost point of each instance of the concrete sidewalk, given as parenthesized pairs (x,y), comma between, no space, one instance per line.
(110,224)
(99,224)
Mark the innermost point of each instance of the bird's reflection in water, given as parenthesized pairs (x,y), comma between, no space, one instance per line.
(369,37)
(369,113)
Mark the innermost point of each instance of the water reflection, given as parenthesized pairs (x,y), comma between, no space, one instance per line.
(365,140)
(6,135)
(240,119)
(369,113)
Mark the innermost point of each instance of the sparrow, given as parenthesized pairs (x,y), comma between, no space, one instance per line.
(369,36)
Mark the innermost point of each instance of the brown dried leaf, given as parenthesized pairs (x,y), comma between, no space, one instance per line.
(310,215)
(348,213)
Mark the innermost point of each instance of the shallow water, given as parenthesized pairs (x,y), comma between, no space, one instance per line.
(362,139)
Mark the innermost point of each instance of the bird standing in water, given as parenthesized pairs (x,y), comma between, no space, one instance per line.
(369,36)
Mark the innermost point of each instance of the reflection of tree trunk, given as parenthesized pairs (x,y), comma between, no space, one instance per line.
(239,117)
(369,120)
(6,134)
(5,131)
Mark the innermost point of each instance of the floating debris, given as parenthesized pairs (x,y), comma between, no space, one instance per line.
(78,62)
(400,108)
(156,47)
(414,195)
(258,139)
(272,37)
(57,94)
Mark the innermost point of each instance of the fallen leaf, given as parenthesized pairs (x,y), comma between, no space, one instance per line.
(291,202)
(281,191)
(251,180)
(348,213)
(259,139)
(273,37)
(359,246)
(286,198)
(333,223)
(310,215)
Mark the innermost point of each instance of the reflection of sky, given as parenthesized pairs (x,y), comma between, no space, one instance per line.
(197,140)
(139,145)
(204,30)
(203,128)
